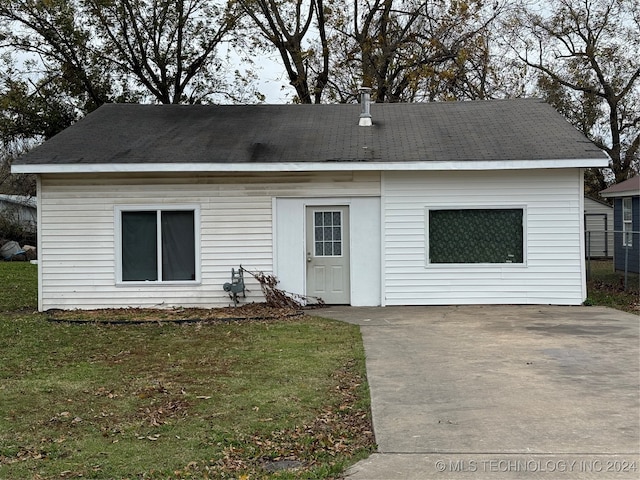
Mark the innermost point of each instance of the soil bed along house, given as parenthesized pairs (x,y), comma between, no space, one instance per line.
(249,312)
(440,203)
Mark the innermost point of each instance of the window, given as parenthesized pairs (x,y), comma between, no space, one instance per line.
(327,233)
(476,236)
(157,245)
(627,227)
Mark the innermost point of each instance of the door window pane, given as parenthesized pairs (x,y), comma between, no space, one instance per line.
(327,233)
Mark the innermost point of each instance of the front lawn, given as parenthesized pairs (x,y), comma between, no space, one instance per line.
(280,398)
(18,287)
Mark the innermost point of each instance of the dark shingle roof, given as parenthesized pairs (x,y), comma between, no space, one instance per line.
(522,129)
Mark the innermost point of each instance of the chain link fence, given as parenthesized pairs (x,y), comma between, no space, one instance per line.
(620,249)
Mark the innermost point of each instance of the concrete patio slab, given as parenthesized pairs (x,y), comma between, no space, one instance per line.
(469,391)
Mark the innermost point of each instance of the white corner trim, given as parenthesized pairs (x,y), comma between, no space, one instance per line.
(581,237)
(42,256)
(307,166)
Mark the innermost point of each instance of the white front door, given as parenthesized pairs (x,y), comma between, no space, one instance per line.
(327,249)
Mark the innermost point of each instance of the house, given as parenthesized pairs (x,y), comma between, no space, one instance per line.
(626,219)
(439,203)
(598,227)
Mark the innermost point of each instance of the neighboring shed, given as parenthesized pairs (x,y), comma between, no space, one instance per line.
(626,213)
(438,203)
(598,225)
(21,209)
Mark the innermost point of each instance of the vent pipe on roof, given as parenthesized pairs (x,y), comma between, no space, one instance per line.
(365,102)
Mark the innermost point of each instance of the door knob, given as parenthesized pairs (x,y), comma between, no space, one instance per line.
(308,257)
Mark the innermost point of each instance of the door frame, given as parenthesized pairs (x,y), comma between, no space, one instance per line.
(289,248)
(309,237)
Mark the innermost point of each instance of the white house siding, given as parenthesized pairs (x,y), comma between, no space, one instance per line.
(553,268)
(77,234)
(598,219)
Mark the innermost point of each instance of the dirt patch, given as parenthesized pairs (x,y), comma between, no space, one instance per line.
(252,311)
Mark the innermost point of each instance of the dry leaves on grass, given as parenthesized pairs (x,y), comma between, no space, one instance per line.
(339,430)
(627,298)
(156,415)
(252,311)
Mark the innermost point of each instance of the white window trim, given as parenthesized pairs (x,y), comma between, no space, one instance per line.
(627,225)
(430,265)
(118,209)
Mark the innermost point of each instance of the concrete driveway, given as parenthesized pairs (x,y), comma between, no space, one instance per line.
(501,391)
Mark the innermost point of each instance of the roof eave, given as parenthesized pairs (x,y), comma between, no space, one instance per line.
(623,193)
(306,166)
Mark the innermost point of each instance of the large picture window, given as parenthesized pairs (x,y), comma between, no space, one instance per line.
(488,235)
(158,245)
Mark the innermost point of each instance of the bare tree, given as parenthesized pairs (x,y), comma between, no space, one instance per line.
(586,55)
(58,47)
(106,50)
(291,27)
(409,50)
(166,46)
(63,58)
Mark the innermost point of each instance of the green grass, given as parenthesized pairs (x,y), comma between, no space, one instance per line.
(18,286)
(162,401)
(605,287)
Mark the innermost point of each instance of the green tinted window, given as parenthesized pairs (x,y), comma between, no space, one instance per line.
(476,236)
